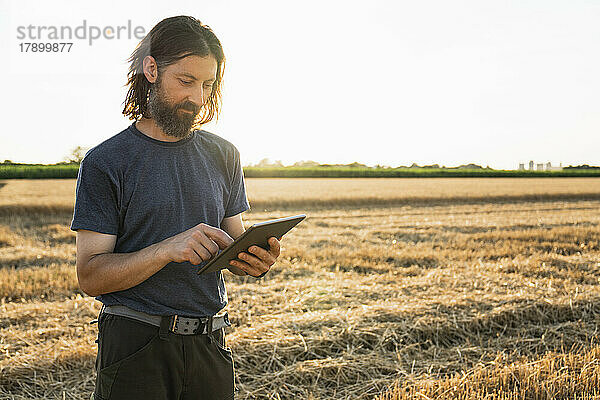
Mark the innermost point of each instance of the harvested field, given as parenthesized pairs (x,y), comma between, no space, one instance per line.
(438,293)
(49,196)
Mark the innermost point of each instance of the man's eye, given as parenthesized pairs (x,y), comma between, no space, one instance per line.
(185,82)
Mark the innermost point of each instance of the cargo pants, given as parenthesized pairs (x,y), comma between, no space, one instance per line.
(137,360)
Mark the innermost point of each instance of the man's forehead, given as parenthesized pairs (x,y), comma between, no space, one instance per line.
(202,68)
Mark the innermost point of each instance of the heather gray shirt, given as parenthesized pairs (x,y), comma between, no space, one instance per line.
(145,190)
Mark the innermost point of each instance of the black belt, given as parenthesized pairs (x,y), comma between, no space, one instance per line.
(175,323)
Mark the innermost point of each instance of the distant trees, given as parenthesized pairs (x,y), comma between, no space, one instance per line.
(308,163)
(75,156)
(267,163)
(470,166)
(351,165)
(437,166)
(584,166)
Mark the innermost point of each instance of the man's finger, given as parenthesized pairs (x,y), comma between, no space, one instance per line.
(274,247)
(254,261)
(220,237)
(210,245)
(261,253)
(202,253)
(247,268)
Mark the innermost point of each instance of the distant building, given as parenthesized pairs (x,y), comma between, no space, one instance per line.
(540,167)
(549,167)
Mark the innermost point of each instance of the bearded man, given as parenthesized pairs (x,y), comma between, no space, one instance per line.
(153,203)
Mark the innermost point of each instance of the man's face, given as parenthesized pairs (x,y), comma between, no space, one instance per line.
(179,93)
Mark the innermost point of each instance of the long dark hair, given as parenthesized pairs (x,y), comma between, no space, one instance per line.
(168,42)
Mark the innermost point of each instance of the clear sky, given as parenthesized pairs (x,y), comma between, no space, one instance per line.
(379,82)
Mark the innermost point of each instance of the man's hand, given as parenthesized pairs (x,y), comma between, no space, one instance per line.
(195,245)
(260,260)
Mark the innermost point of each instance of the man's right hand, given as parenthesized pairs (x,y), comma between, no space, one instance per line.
(196,245)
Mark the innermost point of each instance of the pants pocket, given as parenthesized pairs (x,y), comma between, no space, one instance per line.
(123,342)
(218,339)
(211,372)
(124,372)
(226,367)
(219,336)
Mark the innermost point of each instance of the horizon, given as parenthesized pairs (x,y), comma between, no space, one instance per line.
(273,163)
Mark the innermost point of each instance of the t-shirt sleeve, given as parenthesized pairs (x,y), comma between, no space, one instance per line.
(238,202)
(96,199)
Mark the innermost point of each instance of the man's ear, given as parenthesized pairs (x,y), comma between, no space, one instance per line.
(150,69)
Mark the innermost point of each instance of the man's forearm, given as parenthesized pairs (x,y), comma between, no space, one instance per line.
(106,273)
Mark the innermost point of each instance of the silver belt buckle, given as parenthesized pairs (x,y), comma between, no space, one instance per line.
(186,326)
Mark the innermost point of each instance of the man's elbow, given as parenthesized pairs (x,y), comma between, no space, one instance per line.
(85,283)
(87,288)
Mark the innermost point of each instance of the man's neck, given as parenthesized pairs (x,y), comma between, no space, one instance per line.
(149,128)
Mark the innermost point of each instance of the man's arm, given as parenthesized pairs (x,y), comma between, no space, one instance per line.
(99,270)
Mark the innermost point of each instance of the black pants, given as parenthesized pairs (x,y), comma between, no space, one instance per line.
(135,362)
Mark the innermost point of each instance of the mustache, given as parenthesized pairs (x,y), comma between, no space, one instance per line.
(190,107)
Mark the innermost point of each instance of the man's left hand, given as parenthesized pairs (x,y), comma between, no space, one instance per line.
(259,260)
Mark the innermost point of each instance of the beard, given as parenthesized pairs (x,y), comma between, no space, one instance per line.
(169,118)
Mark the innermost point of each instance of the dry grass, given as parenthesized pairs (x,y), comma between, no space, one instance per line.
(442,300)
(55,196)
(569,375)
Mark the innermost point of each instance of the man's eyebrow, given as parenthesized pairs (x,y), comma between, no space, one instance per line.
(187,74)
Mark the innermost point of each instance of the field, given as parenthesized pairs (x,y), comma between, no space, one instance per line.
(392,288)
(62,171)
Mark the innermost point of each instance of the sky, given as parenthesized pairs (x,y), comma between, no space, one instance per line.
(494,83)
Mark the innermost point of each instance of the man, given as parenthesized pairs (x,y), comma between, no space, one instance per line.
(152,203)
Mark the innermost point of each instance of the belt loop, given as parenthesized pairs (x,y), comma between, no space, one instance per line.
(97,320)
(165,324)
(209,324)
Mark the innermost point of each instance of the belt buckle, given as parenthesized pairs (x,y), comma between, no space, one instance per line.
(175,326)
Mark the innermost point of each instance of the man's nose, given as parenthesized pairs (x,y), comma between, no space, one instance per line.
(198,97)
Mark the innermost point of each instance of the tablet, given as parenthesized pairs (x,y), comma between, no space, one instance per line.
(258,234)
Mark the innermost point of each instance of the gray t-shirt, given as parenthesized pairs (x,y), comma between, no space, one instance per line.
(145,190)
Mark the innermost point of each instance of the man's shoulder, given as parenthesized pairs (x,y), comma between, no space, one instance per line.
(219,143)
(109,149)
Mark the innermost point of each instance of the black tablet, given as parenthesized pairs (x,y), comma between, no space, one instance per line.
(258,234)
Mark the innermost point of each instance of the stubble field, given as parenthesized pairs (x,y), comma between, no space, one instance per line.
(398,288)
